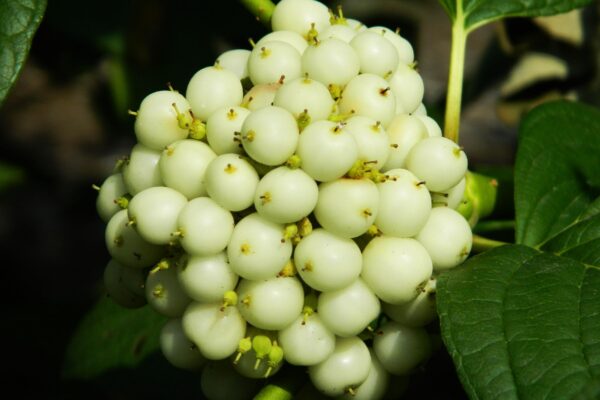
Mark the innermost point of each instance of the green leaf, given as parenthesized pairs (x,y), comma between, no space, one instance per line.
(556,170)
(19,19)
(111,337)
(580,241)
(592,209)
(590,392)
(474,13)
(522,324)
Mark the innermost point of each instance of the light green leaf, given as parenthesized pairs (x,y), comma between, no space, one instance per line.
(556,171)
(19,19)
(112,337)
(520,324)
(474,13)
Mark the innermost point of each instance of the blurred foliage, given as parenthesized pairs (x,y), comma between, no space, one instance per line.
(10,175)
(148,43)
(565,65)
(111,337)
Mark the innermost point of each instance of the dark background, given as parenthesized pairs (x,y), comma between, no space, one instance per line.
(65,124)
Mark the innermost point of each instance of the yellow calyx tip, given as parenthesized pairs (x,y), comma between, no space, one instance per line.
(304,227)
(261,345)
(335,90)
(250,136)
(294,162)
(265,52)
(307,311)
(230,298)
(245,248)
(230,168)
(303,120)
(308,266)
(244,346)
(374,231)
(246,301)
(288,270)
(312,35)
(161,265)
(122,202)
(290,231)
(197,130)
(231,114)
(159,291)
(275,357)
(337,19)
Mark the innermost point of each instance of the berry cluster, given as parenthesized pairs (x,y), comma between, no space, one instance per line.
(294,206)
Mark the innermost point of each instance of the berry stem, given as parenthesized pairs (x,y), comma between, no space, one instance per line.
(481,244)
(261,9)
(455,78)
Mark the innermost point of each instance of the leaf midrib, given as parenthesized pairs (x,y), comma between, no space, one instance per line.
(504,332)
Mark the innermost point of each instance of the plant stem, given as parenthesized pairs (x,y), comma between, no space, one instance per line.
(117,80)
(455,78)
(494,225)
(261,9)
(481,244)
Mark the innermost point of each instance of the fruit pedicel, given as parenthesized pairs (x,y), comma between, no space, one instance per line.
(293,207)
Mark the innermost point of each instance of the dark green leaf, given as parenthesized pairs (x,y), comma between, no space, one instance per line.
(475,13)
(592,210)
(590,392)
(19,20)
(580,241)
(472,324)
(520,324)
(588,254)
(450,6)
(111,337)
(556,171)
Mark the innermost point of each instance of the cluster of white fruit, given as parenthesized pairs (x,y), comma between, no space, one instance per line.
(296,220)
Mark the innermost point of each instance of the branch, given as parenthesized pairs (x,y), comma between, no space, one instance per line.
(455,78)
(261,9)
(481,244)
